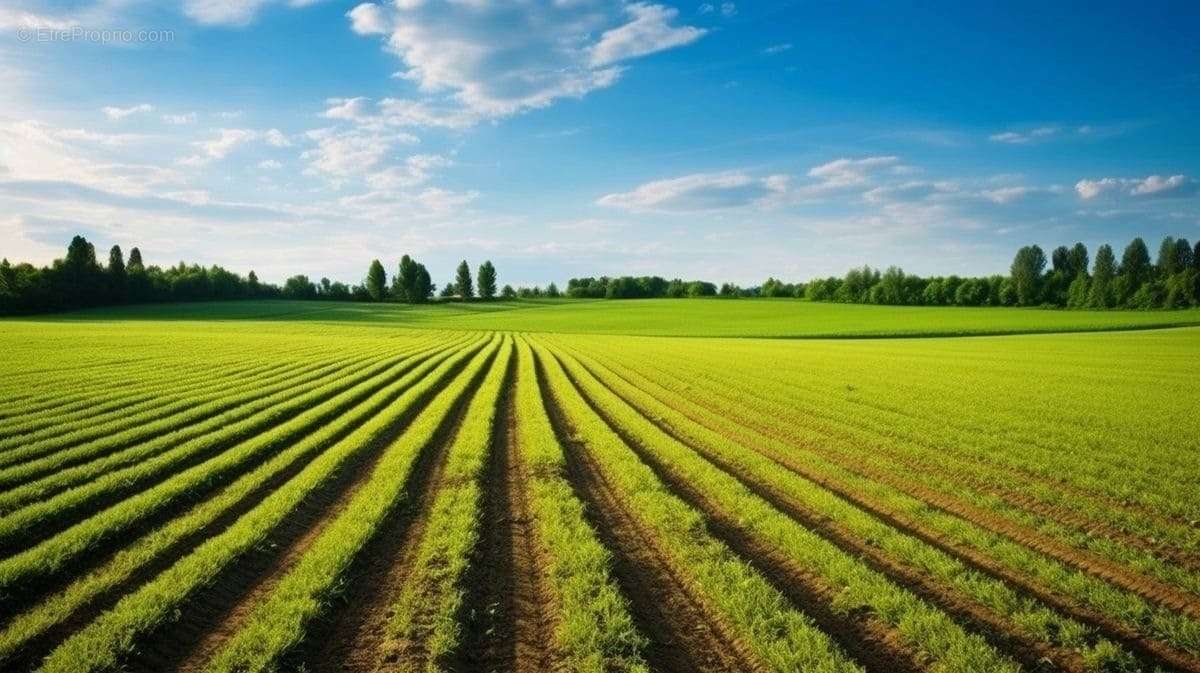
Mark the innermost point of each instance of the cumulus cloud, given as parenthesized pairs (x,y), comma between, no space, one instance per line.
(369,19)
(648,31)
(118,113)
(219,147)
(13,19)
(276,138)
(1150,186)
(477,61)
(699,192)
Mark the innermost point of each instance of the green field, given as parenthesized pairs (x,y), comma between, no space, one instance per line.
(599,486)
(767,318)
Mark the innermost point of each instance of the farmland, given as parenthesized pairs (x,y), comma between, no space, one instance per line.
(599,486)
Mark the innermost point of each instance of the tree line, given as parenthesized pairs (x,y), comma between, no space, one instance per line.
(1173,281)
(80,280)
(1068,277)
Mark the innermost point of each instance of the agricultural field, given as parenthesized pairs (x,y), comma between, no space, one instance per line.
(599,486)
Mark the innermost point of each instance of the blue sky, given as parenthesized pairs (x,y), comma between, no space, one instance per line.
(719,140)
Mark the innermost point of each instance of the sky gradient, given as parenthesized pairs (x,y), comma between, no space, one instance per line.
(723,141)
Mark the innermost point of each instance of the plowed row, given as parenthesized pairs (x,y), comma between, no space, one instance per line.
(399,500)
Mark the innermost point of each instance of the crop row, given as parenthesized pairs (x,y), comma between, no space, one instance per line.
(102,644)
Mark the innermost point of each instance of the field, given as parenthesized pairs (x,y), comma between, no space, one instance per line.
(599,486)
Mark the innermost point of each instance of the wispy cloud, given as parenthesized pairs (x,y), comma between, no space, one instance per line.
(118,113)
(1150,186)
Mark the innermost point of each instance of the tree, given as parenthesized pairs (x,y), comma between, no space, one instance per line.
(1167,265)
(462,281)
(448,290)
(1027,270)
(422,286)
(118,279)
(1060,260)
(487,280)
(135,262)
(404,284)
(1196,256)
(376,282)
(508,292)
(1183,255)
(1135,262)
(1101,295)
(1079,260)
(552,291)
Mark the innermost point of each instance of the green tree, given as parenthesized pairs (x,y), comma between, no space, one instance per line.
(1079,260)
(487,280)
(462,281)
(118,278)
(1101,294)
(405,282)
(1135,262)
(135,262)
(1027,268)
(376,282)
(508,292)
(448,290)
(1183,254)
(1167,264)
(552,291)
(422,285)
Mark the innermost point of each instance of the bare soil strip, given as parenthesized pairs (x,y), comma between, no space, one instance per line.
(352,635)
(683,635)
(1145,649)
(508,616)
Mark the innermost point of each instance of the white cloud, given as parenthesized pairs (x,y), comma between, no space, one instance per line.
(180,119)
(343,153)
(276,138)
(117,113)
(1150,186)
(1006,195)
(223,12)
(1157,184)
(415,170)
(219,147)
(369,19)
(778,48)
(842,173)
(13,19)
(700,192)
(1023,137)
(347,109)
(473,61)
(649,31)
(270,165)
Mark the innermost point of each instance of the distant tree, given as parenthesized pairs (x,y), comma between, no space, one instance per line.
(1167,264)
(1077,293)
(1101,295)
(422,288)
(891,287)
(1079,260)
(1196,256)
(462,281)
(1026,271)
(135,262)
(487,280)
(552,291)
(1183,255)
(118,278)
(448,290)
(376,282)
(299,287)
(508,292)
(1060,260)
(405,281)
(1135,262)
(253,287)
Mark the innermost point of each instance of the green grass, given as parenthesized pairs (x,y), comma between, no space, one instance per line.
(781,318)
